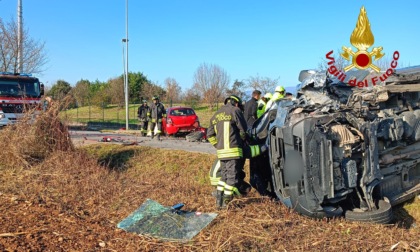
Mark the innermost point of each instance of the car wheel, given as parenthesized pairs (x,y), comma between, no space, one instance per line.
(382,215)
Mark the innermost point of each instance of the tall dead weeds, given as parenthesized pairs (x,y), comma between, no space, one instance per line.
(33,138)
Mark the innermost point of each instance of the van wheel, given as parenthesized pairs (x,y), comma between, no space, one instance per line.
(382,215)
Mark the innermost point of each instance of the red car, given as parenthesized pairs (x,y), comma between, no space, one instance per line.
(180,120)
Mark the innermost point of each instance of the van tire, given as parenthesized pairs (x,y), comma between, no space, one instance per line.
(382,215)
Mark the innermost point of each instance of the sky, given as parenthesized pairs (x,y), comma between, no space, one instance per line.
(171,38)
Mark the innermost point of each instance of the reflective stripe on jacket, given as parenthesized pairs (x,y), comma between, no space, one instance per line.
(227,132)
(261,108)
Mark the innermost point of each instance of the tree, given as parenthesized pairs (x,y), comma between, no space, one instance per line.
(34,56)
(136,81)
(116,91)
(192,97)
(102,97)
(264,84)
(211,81)
(99,93)
(59,90)
(238,88)
(81,92)
(151,89)
(173,90)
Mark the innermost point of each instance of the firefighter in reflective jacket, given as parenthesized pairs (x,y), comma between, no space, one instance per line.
(262,103)
(278,94)
(142,115)
(227,133)
(249,151)
(156,113)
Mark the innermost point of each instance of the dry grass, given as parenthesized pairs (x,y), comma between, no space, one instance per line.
(28,142)
(73,199)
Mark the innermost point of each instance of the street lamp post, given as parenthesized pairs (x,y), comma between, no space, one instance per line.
(124,71)
(20,39)
(126,65)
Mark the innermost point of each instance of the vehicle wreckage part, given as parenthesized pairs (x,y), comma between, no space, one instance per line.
(350,172)
(339,146)
(195,136)
(305,180)
(389,158)
(371,171)
(381,215)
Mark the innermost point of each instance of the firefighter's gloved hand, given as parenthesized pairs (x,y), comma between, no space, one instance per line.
(263,148)
(243,135)
(249,138)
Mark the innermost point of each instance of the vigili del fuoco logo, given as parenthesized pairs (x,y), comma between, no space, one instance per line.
(362,58)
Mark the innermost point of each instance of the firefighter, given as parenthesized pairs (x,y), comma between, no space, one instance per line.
(143,117)
(249,151)
(278,94)
(156,113)
(227,132)
(262,103)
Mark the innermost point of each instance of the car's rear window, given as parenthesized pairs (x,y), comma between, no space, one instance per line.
(182,112)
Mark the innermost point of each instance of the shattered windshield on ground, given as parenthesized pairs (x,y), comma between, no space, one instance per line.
(153,219)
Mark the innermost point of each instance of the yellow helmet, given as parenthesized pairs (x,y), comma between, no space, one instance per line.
(279,89)
(234,98)
(268,96)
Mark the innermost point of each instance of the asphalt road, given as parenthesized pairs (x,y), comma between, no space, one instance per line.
(80,137)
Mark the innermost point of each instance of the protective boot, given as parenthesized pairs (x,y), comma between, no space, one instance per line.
(219,199)
(158,137)
(226,200)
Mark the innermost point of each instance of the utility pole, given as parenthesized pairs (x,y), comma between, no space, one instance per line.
(20,39)
(126,65)
(124,71)
(123,61)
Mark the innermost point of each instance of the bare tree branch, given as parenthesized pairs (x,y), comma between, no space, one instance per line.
(34,56)
(211,81)
(264,84)
(173,90)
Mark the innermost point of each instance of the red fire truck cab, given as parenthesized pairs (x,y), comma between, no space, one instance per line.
(18,93)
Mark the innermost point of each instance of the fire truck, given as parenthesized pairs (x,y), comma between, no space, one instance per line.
(19,93)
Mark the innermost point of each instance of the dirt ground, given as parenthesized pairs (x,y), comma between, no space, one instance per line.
(72,200)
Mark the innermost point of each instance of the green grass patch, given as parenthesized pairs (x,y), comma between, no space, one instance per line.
(116,114)
(114,157)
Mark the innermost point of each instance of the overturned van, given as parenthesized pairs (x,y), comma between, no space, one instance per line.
(339,150)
